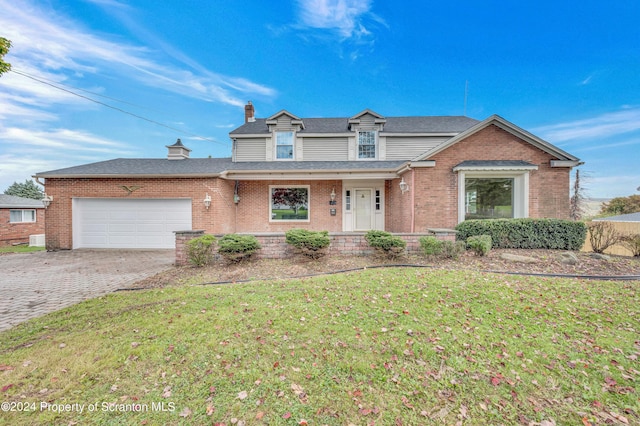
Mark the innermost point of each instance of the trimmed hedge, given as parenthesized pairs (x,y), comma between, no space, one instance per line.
(430,245)
(235,248)
(309,243)
(200,250)
(480,244)
(526,233)
(383,241)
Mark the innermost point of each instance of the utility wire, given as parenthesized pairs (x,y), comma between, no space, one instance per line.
(56,86)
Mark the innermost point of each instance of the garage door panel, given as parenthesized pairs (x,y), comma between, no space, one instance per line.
(130,223)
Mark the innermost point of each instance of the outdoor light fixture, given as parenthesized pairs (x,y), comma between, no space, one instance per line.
(207,201)
(47,200)
(404,186)
(333,197)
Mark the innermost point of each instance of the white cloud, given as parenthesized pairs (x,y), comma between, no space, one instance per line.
(345,17)
(604,125)
(45,41)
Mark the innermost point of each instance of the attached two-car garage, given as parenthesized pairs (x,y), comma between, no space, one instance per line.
(129,223)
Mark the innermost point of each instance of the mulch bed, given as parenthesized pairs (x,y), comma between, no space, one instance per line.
(547,262)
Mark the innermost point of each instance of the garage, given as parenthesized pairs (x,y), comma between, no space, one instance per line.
(128,223)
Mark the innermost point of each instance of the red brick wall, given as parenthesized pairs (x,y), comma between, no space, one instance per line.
(14,233)
(219,218)
(275,247)
(254,207)
(398,207)
(436,189)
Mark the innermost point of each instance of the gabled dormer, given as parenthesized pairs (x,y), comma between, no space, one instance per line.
(284,127)
(367,119)
(367,125)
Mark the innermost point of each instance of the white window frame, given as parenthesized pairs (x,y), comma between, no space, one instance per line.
(520,190)
(272,219)
(292,145)
(22,215)
(375,144)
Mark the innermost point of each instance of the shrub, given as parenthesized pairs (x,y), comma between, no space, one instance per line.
(430,245)
(480,244)
(200,250)
(452,249)
(235,248)
(386,243)
(310,243)
(554,234)
(631,242)
(602,235)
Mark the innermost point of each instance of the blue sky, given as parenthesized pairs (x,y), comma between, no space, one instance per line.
(567,71)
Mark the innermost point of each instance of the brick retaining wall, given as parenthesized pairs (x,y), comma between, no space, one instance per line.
(342,243)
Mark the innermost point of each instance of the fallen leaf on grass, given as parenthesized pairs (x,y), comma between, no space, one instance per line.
(7,387)
(6,367)
(166,393)
(210,410)
(186,412)
(286,415)
(242,395)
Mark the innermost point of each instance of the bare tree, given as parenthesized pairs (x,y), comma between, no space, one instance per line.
(577,203)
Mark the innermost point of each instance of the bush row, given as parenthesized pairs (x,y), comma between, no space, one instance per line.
(555,234)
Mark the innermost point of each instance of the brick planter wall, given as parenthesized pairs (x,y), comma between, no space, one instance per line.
(342,243)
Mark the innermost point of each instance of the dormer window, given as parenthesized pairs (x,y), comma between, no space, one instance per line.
(367,144)
(284,145)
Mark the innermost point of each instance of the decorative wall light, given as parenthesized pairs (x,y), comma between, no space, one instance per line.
(333,197)
(47,200)
(404,186)
(207,201)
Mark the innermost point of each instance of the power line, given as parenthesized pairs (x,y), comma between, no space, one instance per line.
(56,86)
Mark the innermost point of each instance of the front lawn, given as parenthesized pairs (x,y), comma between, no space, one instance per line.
(20,249)
(395,346)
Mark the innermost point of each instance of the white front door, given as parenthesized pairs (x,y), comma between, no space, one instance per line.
(363,210)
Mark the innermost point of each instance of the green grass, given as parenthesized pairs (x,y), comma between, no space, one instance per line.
(416,345)
(20,249)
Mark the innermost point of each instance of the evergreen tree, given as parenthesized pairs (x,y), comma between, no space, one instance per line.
(28,189)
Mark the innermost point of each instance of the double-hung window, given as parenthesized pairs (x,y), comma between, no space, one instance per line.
(20,216)
(284,145)
(367,144)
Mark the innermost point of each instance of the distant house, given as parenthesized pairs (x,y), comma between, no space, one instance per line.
(19,218)
(346,174)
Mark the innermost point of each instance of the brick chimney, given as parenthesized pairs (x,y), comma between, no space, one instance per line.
(249,112)
(177,151)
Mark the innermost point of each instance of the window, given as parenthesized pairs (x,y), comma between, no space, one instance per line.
(289,203)
(367,144)
(489,198)
(284,145)
(377,199)
(17,216)
(347,200)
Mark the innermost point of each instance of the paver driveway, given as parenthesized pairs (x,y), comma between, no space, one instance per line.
(33,284)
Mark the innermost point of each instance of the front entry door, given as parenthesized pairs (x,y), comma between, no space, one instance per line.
(363,210)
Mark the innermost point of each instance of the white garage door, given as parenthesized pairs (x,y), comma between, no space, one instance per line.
(129,223)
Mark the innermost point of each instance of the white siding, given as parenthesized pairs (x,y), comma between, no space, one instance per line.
(251,149)
(325,149)
(405,148)
(368,121)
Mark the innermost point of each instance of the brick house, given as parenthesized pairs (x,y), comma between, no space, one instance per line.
(19,218)
(350,174)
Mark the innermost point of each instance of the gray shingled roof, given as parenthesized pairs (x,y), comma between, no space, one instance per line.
(431,124)
(315,165)
(13,202)
(145,166)
(207,167)
(495,163)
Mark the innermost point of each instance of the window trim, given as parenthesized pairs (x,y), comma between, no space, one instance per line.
(22,211)
(375,144)
(292,145)
(520,189)
(273,220)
